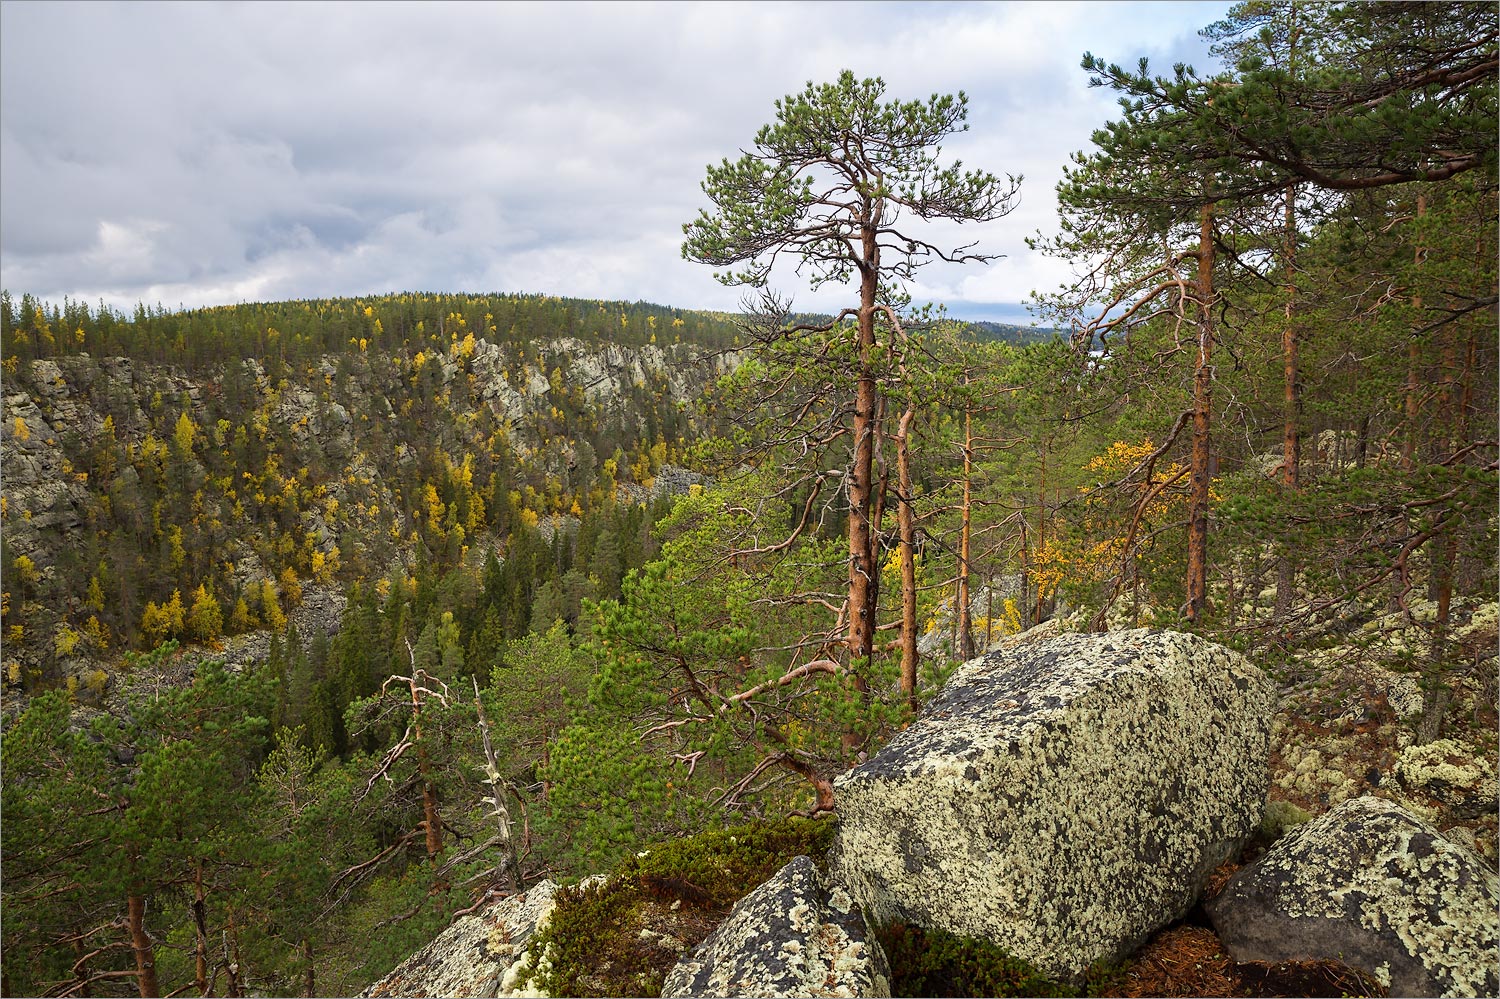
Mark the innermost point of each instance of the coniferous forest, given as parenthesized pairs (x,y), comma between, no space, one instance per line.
(327,620)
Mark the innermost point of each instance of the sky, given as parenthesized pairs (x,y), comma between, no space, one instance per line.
(189,154)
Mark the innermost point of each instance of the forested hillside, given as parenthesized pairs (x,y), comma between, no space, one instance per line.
(174,492)
(327,620)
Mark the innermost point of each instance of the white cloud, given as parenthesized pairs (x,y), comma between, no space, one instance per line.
(199,154)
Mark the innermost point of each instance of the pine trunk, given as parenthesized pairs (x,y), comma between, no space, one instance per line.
(145,950)
(80,970)
(1413,399)
(907,519)
(1413,359)
(200,929)
(863,573)
(232,977)
(1197,553)
(1291,461)
(1041,532)
(430,817)
(965,621)
(431,820)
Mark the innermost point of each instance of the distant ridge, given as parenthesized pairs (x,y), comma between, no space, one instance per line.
(982,330)
(1011,333)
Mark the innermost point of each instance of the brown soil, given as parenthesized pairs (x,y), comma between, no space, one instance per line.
(1190,961)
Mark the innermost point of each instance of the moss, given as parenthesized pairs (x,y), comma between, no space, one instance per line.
(937,963)
(1279,817)
(593,943)
(726,864)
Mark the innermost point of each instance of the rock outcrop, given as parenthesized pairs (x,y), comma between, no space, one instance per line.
(473,956)
(796,935)
(1378,889)
(1065,799)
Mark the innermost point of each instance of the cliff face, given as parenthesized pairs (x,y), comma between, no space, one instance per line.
(126,482)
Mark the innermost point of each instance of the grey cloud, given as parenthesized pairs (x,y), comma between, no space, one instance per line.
(208,152)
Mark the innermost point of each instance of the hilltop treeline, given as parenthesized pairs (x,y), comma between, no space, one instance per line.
(298,332)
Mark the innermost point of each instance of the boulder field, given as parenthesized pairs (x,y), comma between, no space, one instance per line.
(1065,800)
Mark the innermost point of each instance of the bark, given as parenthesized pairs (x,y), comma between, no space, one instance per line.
(907,519)
(1413,358)
(80,969)
(1442,548)
(1412,402)
(145,949)
(965,623)
(509,862)
(1291,468)
(864,579)
(1291,462)
(1454,399)
(309,974)
(232,969)
(1197,553)
(1041,529)
(822,786)
(1436,693)
(200,928)
(431,820)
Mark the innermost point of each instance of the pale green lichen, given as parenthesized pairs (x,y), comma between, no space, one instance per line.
(1446,765)
(1311,761)
(1023,823)
(476,953)
(816,950)
(1436,896)
(1483,624)
(520,978)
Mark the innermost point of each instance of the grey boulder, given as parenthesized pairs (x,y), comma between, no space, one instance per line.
(796,935)
(1062,800)
(1370,885)
(473,955)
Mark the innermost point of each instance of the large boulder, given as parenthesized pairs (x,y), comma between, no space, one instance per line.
(796,935)
(1065,799)
(473,955)
(1371,885)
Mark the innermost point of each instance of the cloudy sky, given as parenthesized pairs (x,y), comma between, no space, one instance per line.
(206,153)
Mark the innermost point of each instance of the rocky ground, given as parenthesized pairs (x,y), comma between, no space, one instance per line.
(1343,729)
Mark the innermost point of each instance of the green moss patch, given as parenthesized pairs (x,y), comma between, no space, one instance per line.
(622,936)
(938,963)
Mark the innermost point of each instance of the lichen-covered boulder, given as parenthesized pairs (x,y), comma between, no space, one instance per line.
(1062,800)
(471,957)
(796,935)
(1370,885)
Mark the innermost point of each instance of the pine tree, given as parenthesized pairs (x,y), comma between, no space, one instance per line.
(825,184)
